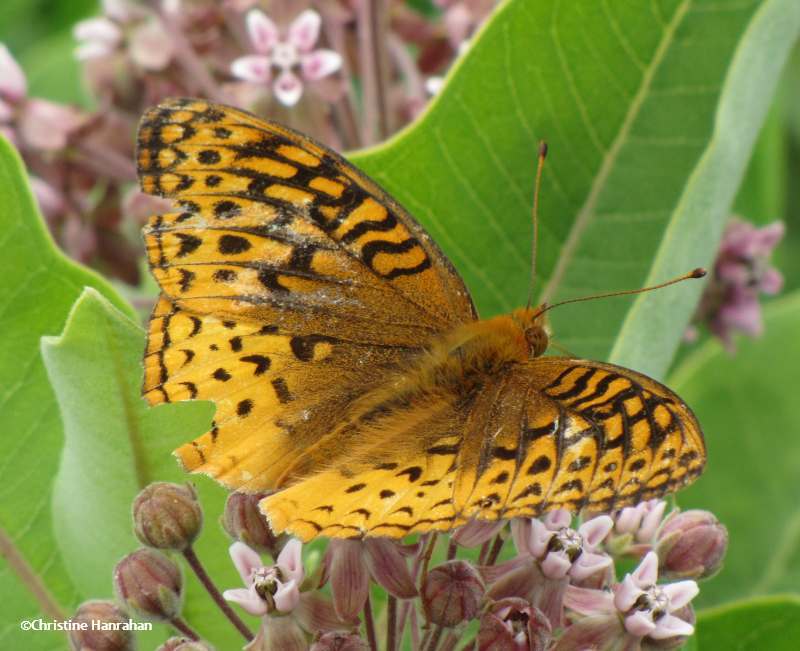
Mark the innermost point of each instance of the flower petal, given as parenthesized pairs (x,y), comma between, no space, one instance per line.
(653,514)
(288,88)
(320,63)
(626,594)
(477,532)
(680,593)
(389,568)
(262,31)
(639,624)
(245,560)
(47,125)
(629,519)
(287,596)
(349,577)
(557,519)
(290,560)
(595,530)
(248,599)
(671,626)
(149,46)
(13,84)
(97,30)
(304,30)
(254,68)
(646,574)
(556,565)
(588,564)
(316,613)
(586,601)
(771,281)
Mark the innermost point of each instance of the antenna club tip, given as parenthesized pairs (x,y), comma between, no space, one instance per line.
(698,273)
(542,149)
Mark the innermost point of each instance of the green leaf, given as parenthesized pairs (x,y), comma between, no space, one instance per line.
(768,623)
(650,110)
(748,408)
(114,446)
(39,286)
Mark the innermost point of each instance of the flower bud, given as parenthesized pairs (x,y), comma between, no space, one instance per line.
(167,516)
(511,624)
(691,545)
(91,639)
(149,583)
(335,641)
(184,644)
(244,521)
(452,593)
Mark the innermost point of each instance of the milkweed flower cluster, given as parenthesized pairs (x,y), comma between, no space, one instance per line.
(741,274)
(556,588)
(308,64)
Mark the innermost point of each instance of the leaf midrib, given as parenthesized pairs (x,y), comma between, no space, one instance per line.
(586,212)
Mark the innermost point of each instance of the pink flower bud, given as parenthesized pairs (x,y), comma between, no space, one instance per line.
(13,85)
(452,593)
(512,624)
(93,612)
(692,545)
(150,584)
(167,516)
(150,47)
(243,520)
(334,641)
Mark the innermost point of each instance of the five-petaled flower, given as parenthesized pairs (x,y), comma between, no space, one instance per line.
(269,587)
(294,52)
(635,609)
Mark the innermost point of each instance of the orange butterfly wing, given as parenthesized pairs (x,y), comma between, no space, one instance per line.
(289,281)
(551,433)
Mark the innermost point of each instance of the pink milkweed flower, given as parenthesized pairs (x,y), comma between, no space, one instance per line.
(294,52)
(561,550)
(635,609)
(97,37)
(271,587)
(551,555)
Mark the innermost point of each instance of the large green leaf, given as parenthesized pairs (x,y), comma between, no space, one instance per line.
(748,407)
(114,445)
(650,110)
(763,624)
(38,287)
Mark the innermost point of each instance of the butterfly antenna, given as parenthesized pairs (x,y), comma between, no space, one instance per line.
(694,273)
(534,243)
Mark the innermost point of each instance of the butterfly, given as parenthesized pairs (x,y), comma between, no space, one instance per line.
(352,377)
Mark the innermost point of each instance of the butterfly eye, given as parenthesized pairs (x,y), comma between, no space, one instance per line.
(537,340)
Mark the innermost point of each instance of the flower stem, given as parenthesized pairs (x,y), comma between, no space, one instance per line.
(208,584)
(371,30)
(181,626)
(483,552)
(369,624)
(497,547)
(391,623)
(434,639)
(452,550)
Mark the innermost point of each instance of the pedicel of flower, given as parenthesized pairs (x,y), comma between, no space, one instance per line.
(100,640)
(184,644)
(150,584)
(167,516)
(452,593)
(691,545)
